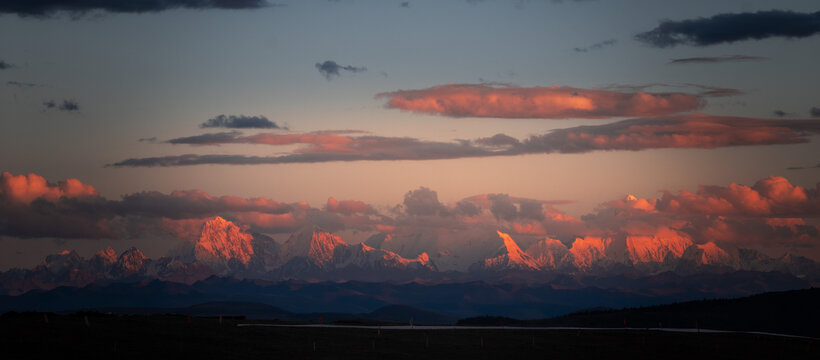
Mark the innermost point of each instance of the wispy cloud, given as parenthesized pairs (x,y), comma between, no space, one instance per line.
(728,28)
(21,84)
(46,8)
(597,46)
(716,59)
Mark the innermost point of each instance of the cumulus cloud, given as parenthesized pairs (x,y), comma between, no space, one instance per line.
(66,105)
(422,202)
(32,207)
(554,102)
(716,59)
(26,188)
(330,68)
(239,122)
(597,46)
(683,131)
(771,197)
(46,8)
(728,28)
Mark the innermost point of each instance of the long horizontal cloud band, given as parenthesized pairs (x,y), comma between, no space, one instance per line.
(42,8)
(554,102)
(685,131)
(772,211)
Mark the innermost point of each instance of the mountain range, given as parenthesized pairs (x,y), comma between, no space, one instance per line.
(224,249)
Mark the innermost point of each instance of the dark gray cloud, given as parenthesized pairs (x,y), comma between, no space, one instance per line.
(597,46)
(502,207)
(152,139)
(208,139)
(66,105)
(191,204)
(714,91)
(814,112)
(781,113)
(21,84)
(498,140)
(467,208)
(716,59)
(405,4)
(4,65)
(422,202)
(330,68)
(46,8)
(727,28)
(803,167)
(239,122)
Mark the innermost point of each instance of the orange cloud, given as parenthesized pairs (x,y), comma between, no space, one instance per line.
(554,102)
(27,188)
(774,196)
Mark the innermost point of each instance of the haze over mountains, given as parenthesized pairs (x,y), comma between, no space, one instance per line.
(224,249)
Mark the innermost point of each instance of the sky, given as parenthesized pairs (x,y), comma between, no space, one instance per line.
(573,104)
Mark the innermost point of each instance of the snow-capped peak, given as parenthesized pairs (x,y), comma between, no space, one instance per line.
(510,256)
(221,241)
(311,243)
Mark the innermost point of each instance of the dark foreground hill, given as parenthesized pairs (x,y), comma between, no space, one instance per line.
(454,300)
(27,336)
(787,312)
(390,314)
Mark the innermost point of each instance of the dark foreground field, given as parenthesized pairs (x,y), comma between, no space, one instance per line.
(111,337)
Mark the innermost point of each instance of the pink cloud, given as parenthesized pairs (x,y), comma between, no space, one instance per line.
(771,197)
(554,102)
(347,206)
(27,188)
(683,131)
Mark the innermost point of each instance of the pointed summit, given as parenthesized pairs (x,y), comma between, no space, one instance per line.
(312,243)
(222,241)
(129,263)
(510,256)
(656,247)
(549,254)
(711,254)
(108,255)
(589,250)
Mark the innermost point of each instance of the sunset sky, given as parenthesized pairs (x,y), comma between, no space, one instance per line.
(706,112)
